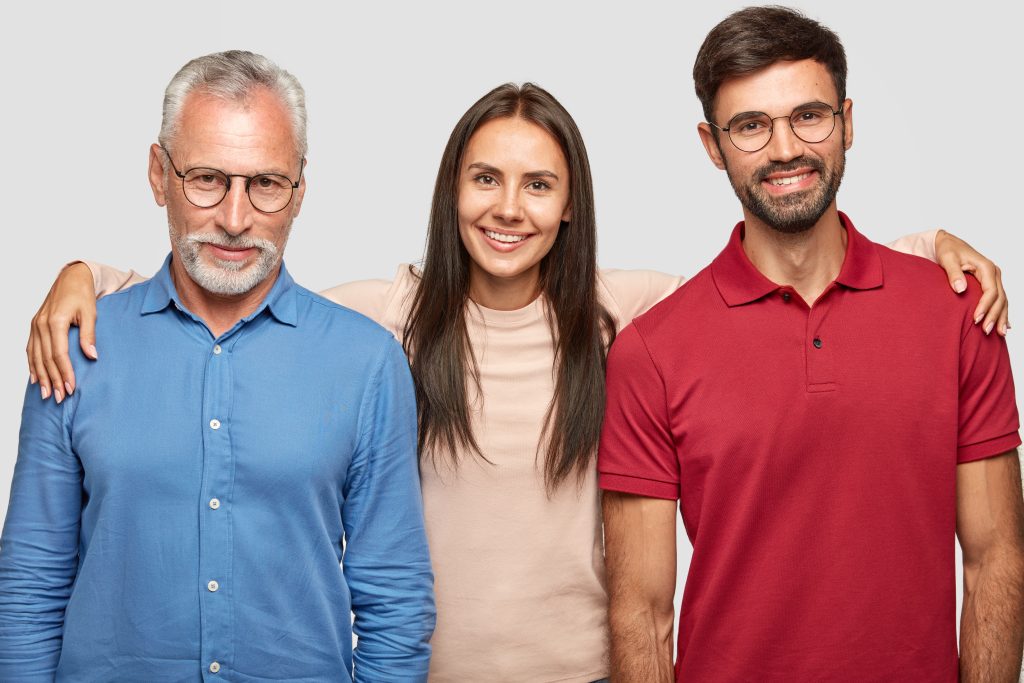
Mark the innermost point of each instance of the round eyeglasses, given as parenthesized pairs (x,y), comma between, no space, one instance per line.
(751,131)
(207,187)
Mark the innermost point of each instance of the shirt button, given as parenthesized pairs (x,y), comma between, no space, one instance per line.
(214,667)
(214,423)
(214,503)
(212,586)
(785,296)
(817,343)
(216,352)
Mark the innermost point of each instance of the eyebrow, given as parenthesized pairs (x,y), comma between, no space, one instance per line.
(487,168)
(795,109)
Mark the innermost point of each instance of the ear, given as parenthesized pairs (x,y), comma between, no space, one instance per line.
(711,146)
(848,123)
(300,191)
(567,214)
(157,175)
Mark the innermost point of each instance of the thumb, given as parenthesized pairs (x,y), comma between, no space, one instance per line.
(87,335)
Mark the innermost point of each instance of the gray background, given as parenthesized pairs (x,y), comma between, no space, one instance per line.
(936,92)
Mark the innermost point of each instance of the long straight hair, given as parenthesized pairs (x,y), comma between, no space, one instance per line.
(436,337)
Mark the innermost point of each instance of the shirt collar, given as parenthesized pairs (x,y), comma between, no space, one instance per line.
(739,282)
(280,301)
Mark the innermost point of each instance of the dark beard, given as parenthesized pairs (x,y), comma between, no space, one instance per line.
(797,212)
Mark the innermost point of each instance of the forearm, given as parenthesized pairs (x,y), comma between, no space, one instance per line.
(641,643)
(992,621)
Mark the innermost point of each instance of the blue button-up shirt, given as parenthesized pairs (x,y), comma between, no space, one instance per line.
(182,516)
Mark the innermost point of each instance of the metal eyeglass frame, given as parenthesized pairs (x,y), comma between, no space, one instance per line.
(771,130)
(229,176)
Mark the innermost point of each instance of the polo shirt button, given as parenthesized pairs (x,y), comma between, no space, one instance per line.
(785,296)
(214,423)
(214,503)
(214,667)
(216,349)
(212,586)
(817,343)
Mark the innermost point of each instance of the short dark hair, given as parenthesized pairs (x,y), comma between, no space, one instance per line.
(756,37)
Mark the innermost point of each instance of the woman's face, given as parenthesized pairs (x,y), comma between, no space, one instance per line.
(513,195)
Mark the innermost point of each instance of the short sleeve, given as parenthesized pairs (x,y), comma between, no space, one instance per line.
(988,418)
(637,452)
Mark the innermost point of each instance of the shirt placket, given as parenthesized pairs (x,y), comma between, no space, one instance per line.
(215,509)
(819,345)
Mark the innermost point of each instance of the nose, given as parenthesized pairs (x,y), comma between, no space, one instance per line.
(235,212)
(509,207)
(784,145)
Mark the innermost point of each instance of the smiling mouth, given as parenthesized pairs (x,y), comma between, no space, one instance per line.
(791,180)
(502,237)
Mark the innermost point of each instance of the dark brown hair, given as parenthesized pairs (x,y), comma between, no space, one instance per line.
(436,337)
(757,37)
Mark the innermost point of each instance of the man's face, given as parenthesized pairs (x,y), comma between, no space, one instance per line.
(230,248)
(790,183)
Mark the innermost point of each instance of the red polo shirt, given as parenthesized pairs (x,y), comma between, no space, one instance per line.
(814,454)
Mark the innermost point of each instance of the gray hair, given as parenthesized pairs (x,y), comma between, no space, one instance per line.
(232,75)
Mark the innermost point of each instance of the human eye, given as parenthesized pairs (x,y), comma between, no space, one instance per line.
(749,126)
(205,178)
(539,186)
(485,179)
(811,116)
(270,182)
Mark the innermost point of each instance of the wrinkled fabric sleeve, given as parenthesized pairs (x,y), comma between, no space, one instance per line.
(386,563)
(39,547)
(988,420)
(918,244)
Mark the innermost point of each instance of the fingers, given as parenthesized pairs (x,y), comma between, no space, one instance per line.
(59,328)
(36,351)
(991,310)
(87,334)
(53,376)
(955,272)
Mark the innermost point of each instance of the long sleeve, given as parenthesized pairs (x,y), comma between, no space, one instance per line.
(107,279)
(386,562)
(919,244)
(39,547)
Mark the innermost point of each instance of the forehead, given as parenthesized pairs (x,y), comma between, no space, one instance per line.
(515,142)
(776,89)
(240,136)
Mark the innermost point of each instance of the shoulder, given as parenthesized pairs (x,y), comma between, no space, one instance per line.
(694,299)
(920,281)
(322,316)
(384,301)
(628,293)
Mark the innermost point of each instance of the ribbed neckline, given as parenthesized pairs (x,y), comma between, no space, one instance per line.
(489,316)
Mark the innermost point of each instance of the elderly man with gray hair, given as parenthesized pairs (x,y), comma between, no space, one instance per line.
(183,515)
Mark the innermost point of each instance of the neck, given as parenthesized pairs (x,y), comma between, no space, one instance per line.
(503,293)
(807,261)
(219,312)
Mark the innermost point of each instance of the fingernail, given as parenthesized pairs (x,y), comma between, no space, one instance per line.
(959,286)
(977,318)
(1003,329)
(31,378)
(67,385)
(57,394)
(92,352)
(988,328)
(44,392)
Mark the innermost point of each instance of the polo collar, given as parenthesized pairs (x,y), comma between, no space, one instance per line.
(280,301)
(739,282)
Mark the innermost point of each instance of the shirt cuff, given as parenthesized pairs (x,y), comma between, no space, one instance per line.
(639,486)
(987,449)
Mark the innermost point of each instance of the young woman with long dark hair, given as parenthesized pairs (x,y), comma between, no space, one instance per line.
(506,324)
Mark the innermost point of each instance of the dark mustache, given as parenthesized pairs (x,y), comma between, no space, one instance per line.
(798,163)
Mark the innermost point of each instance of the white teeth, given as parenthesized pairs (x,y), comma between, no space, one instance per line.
(501,237)
(788,181)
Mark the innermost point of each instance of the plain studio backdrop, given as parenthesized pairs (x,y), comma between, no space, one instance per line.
(937,120)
